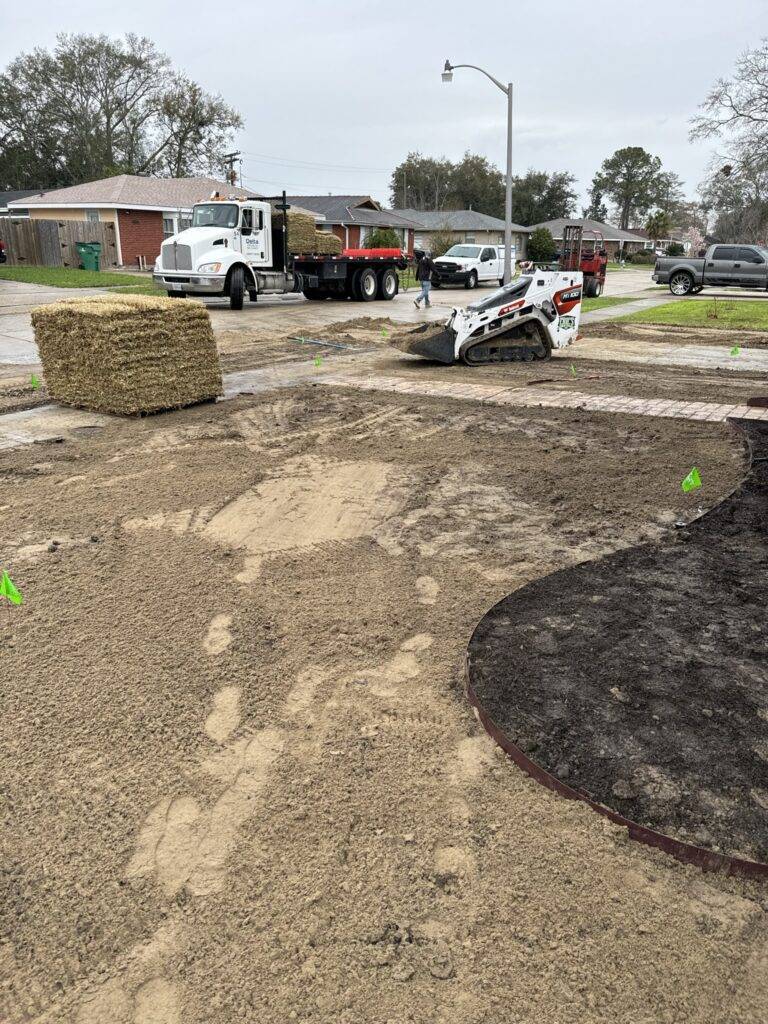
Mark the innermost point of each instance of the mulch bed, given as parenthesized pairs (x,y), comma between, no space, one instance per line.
(641,680)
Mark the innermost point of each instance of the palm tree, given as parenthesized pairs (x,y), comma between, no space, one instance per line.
(658,226)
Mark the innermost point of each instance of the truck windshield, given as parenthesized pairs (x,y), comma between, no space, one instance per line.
(215,215)
(467,251)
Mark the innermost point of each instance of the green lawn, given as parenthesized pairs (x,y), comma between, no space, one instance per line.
(69,277)
(743,314)
(604,300)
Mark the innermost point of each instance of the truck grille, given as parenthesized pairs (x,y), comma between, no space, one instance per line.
(176,256)
(447,268)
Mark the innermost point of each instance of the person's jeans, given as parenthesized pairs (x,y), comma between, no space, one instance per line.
(424,293)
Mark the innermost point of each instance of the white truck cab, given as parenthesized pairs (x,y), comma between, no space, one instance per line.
(470,265)
(226,250)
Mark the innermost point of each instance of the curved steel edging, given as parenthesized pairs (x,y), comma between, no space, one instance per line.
(707,860)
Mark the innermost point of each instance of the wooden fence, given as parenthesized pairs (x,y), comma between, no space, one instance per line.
(53,243)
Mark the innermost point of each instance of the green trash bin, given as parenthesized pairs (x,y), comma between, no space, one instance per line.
(90,255)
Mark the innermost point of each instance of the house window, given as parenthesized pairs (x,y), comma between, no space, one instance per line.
(185,221)
(469,238)
(648,244)
(169,225)
(92,216)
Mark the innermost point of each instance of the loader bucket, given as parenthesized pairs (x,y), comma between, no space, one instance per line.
(430,341)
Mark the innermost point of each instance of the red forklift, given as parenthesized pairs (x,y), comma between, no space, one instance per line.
(585,254)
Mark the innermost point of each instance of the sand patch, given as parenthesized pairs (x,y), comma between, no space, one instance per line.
(312,502)
(218,637)
(225,716)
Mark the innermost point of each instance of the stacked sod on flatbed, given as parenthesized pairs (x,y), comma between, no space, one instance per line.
(304,238)
(128,354)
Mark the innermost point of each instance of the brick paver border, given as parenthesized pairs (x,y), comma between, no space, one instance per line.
(548,398)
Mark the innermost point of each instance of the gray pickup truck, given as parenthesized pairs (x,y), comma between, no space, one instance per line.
(732,266)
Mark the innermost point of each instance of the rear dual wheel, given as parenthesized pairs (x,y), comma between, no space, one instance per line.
(387,285)
(364,285)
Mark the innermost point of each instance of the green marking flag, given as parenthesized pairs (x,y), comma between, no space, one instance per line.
(7,589)
(692,481)
(573,370)
(735,351)
(35,382)
(384,332)
(318,360)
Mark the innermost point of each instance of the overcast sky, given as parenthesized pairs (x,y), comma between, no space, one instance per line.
(334,94)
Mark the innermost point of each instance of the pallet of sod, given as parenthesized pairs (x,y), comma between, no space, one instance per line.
(128,354)
(304,238)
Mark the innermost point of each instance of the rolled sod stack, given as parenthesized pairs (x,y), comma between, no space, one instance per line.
(303,238)
(129,354)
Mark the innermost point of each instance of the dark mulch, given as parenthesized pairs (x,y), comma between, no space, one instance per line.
(641,679)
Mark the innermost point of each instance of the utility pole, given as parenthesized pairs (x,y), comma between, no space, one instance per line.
(229,163)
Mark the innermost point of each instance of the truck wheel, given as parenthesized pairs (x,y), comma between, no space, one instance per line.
(387,285)
(435,283)
(471,281)
(681,283)
(697,289)
(367,285)
(236,288)
(590,288)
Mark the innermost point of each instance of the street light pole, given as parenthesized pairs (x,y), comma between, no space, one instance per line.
(507,89)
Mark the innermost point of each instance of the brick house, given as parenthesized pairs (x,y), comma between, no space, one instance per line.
(467,226)
(143,210)
(352,218)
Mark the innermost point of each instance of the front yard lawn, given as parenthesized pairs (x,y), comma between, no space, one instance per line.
(602,301)
(71,277)
(740,314)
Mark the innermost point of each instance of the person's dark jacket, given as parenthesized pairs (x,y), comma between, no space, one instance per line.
(425,268)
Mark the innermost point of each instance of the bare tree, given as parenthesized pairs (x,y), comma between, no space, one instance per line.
(735,189)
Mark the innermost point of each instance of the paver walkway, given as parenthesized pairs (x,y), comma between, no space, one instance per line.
(552,399)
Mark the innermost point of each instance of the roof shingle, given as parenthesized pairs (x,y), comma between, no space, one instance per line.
(137,190)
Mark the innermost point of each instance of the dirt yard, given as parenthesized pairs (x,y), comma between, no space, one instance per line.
(241,778)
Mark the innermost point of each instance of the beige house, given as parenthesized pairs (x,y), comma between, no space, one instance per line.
(468,226)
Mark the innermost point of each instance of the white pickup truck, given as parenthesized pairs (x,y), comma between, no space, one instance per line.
(471,265)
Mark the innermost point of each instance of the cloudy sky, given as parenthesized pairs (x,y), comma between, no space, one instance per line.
(334,94)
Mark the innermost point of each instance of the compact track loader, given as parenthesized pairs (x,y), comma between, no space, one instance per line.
(523,320)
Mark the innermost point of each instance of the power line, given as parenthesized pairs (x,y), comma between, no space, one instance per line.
(311,163)
(296,184)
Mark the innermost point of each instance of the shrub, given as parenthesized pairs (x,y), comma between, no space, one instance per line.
(440,242)
(383,238)
(541,246)
(675,249)
(644,256)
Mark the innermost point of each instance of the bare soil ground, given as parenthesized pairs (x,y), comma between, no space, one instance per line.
(241,780)
(261,345)
(669,334)
(257,347)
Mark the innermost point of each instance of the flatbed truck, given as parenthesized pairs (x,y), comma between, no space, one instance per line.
(234,248)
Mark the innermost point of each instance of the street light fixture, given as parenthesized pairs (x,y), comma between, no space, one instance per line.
(447,76)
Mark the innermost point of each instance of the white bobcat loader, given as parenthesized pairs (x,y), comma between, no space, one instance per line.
(523,320)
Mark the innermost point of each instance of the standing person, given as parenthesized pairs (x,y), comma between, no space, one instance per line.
(424,270)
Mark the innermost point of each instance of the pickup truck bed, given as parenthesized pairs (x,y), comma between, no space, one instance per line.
(726,266)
